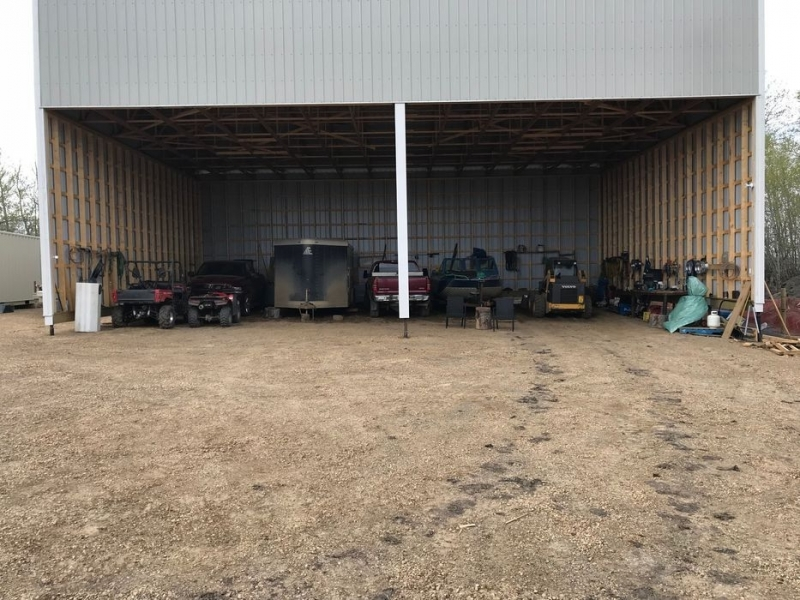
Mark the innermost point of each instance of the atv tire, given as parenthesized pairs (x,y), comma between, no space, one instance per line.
(193,316)
(539,305)
(166,317)
(225,316)
(374,309)
(118,317)
(587,307)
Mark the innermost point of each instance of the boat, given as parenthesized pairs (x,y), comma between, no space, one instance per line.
(475,278)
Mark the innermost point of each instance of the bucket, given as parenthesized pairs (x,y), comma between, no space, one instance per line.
(713,320)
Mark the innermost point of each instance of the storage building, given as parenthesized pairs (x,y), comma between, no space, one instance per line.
(190,130)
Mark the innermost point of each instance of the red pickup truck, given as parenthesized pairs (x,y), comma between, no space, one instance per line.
(382,289)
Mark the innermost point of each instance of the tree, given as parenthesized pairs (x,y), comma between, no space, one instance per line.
(19,201)
(782,234)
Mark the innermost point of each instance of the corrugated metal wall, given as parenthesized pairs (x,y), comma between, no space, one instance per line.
(212,52)
(241,219)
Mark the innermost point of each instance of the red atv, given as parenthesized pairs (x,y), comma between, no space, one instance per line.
(152,292)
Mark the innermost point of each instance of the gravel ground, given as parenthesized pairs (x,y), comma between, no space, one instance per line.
(279,459)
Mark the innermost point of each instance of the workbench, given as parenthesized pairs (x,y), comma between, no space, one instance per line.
(646,295)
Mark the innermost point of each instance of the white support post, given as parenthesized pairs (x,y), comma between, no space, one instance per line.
(45,241)
(401,177)
(759,188)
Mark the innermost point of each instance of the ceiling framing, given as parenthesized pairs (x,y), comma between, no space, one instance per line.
(357,140)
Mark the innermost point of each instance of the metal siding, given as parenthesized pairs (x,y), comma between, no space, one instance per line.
(217,52)
(242,218)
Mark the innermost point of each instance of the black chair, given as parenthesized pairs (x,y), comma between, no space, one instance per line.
(503,311)
(455,309)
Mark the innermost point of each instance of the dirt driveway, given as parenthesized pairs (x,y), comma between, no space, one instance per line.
(279,459)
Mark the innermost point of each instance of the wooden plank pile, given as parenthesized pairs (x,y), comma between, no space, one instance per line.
(778,345)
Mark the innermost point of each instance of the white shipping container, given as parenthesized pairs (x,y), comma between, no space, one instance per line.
(20,268)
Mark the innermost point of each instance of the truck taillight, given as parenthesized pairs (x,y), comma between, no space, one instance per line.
(114,297)
(162,296)
(427,285)
(375,285)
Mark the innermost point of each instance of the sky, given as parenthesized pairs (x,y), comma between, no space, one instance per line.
(17,114)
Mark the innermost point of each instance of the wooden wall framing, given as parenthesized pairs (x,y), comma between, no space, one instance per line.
(105,197)
(687,198)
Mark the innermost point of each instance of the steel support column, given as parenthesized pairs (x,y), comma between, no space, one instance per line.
(758,184)
(42,168)
(401,177)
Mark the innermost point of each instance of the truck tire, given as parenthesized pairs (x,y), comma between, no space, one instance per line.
(118,317)
(425,309)
(539,305)
(225,316)
(587,307)
(193,316)
(166,317)
(374,308)
(246,307)
(237,312)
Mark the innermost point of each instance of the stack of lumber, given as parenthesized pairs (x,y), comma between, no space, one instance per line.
(778,345)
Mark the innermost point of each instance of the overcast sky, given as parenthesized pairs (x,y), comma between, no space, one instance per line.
(18,129)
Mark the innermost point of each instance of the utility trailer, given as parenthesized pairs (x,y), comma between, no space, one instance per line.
(311,274)
(20,268)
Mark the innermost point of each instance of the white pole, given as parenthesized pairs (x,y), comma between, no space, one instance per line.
(401,177)
(48,305)
(759,187)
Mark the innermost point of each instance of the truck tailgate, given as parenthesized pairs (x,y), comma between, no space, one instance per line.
(387,284)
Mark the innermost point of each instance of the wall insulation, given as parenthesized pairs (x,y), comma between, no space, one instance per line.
(688,198)
(104,197)
(242,218)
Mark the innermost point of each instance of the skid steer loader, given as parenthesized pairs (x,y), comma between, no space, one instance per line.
(563,290)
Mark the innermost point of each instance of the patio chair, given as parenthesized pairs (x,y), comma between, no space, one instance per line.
(456,309)
(503,311)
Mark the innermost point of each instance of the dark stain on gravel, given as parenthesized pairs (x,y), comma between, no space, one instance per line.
(728,551)
(386,594)
(458,507)
(493,467)
(723,516)
(683,523)
(475,488)
(638,372)
(598,512)
(665,399)
(391,539)
(685,507)
(662,488)
(545,437)
(529,485)
(725,578)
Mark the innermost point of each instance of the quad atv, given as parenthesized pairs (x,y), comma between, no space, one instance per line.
(214,302)
(563,290)
(153,291)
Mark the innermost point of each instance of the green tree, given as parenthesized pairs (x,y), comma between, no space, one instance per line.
(782,234)
(19,202)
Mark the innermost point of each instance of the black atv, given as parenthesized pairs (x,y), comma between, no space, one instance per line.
(153,291)
(214,302)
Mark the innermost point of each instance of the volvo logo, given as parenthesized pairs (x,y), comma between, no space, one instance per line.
(568,287)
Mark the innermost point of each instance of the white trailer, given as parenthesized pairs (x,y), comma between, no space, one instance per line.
(20,268)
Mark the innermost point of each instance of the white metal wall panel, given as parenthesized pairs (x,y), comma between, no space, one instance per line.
(219,52)
(241,219)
